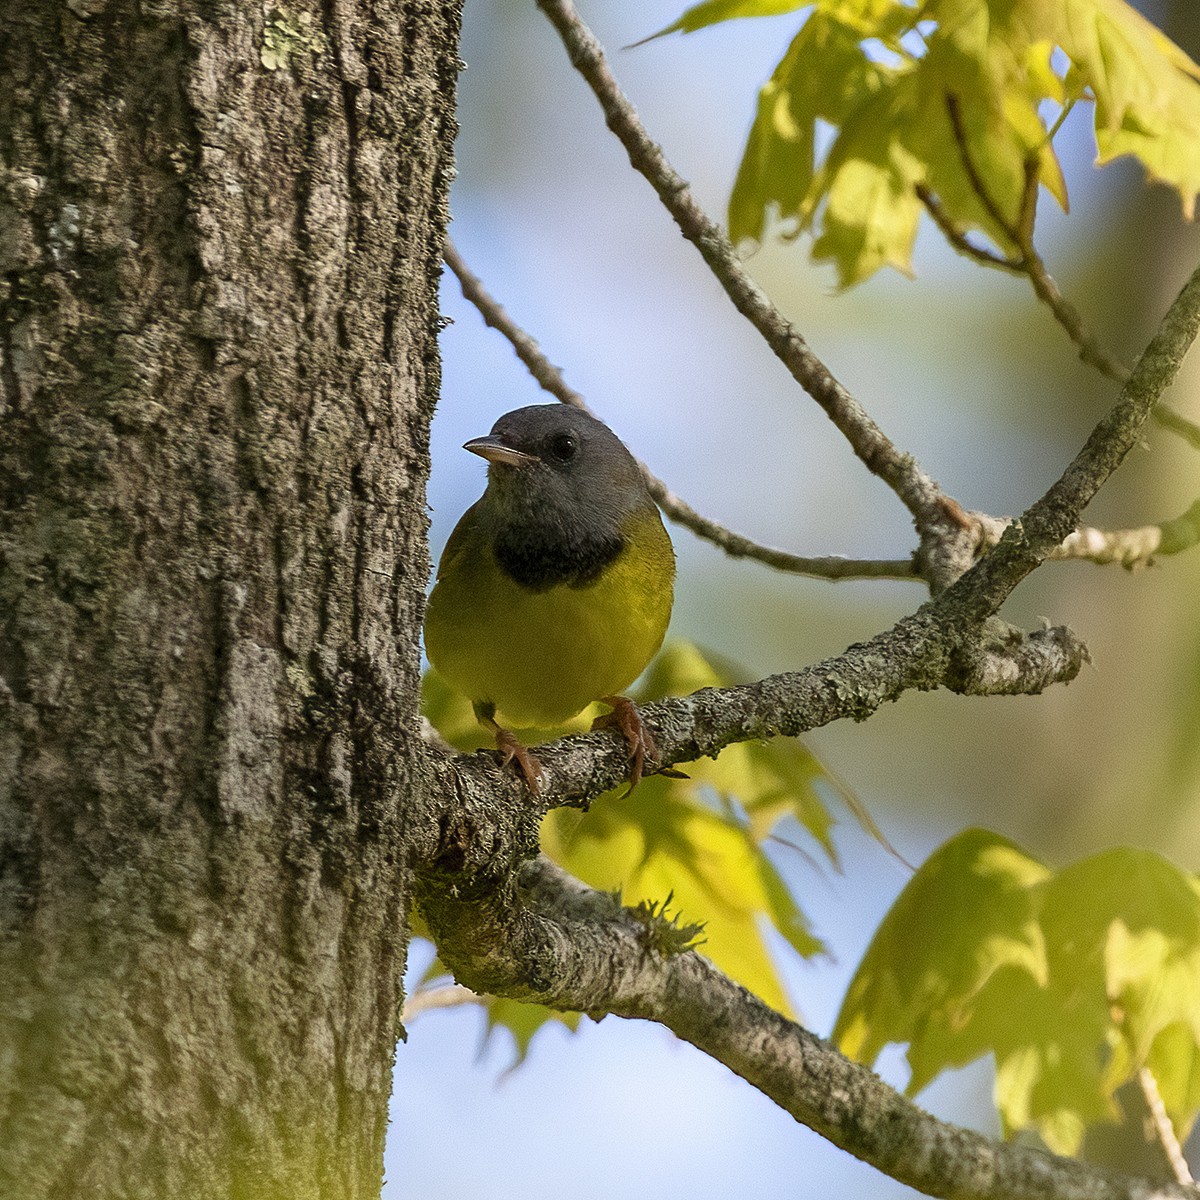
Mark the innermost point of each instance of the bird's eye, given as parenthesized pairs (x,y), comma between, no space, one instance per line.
(564,446)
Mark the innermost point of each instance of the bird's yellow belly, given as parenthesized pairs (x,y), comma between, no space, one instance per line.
(542,657)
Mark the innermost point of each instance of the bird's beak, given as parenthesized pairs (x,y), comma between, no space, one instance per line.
(495,451)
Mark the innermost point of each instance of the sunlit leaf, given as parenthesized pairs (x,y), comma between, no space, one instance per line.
(1145,87)
(1074,982)
(867,187)
(1174,1061)
(1126,924)
(767,780)
(661,841)
(824,75)
(874,99)
(964,915)
(711,12)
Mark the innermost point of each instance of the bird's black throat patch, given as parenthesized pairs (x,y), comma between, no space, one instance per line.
(542,564)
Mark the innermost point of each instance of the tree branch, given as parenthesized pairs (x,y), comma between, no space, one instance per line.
(555,942)
(931,508)
(1130,547)
(552,380)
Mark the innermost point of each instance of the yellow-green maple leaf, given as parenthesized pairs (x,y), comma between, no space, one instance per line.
(886,77)
(1073,981)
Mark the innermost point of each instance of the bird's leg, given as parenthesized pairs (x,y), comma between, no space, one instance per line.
(626,718)
(510,748)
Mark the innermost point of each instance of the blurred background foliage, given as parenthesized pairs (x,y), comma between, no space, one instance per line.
(960,366)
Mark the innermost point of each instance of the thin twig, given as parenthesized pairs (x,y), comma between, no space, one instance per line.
(957,236)
(1067,315)
(451,995)
(1135,547)
(1163,1129)
(1129,547)
(930,506)
(551,379)
(1050,521)
(1176,422)
(831,567)
(1028,210)
(548,376)
(1028,261)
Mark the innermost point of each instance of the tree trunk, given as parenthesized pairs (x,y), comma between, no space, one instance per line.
(220,240)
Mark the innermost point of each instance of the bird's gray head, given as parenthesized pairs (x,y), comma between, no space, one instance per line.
(560,486)
(558,458)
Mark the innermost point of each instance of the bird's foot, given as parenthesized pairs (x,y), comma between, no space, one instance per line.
(512,750)
(626,718)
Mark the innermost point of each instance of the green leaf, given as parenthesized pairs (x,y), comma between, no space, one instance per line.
(1146,91)
(713,11)
(1174,1061)
(963,917)
(522,1021)
(1074,982)
(1126,924)
(823,76)
(884,77)
(450,713)
(1182,533)
(868,189)
(767,780)
(661,841)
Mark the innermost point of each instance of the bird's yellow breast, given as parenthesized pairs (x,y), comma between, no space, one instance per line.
(542,656)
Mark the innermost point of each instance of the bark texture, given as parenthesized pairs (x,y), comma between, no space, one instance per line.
(217,365)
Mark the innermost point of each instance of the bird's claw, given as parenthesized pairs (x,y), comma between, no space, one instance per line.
(512,750)
(626,718)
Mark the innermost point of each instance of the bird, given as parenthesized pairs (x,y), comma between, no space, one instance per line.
(555,588)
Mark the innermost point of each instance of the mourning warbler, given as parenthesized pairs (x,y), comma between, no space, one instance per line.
(555,587)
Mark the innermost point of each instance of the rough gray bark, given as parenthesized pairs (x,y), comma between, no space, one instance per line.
(217,366)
